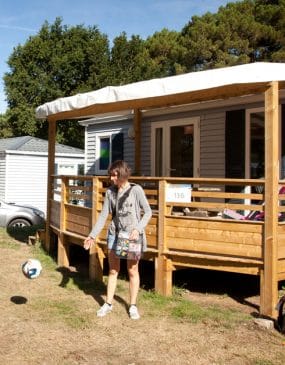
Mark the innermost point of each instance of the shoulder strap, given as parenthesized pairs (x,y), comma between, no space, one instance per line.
(119,202)
(123,198)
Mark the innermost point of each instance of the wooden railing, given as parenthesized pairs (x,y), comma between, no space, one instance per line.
(216,229)
(210,197)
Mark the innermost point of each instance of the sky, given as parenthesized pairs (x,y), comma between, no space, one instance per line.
(20,19)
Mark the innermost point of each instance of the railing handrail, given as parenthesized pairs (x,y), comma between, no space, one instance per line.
(210,195)
(173,179)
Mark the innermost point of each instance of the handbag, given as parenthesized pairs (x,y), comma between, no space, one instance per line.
(128,249)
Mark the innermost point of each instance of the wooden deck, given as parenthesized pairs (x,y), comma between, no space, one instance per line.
(196,234)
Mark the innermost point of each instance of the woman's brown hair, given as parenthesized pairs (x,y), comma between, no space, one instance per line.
(121,168)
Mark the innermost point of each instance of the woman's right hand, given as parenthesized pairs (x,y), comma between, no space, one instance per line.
(88,242)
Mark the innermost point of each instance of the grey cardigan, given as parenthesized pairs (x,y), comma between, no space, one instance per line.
(125,207)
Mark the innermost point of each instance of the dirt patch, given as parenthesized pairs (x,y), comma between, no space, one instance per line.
(50,320)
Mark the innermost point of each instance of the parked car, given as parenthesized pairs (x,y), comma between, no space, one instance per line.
(13,215)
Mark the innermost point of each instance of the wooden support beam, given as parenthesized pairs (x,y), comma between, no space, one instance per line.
(137,130)
(163,264)
(62,251)
(63,245)
(269,277)
(96,254)
(98,264)
(50,172)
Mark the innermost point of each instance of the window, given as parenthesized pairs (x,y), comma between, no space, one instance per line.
(104,153)
(235,144)
(256,145)
(109,148)
(80,169)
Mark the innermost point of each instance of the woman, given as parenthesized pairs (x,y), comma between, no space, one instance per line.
(125,202)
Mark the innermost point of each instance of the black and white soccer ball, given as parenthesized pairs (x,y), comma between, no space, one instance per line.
(32,268)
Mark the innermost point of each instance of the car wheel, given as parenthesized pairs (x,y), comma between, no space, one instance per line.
(19,223)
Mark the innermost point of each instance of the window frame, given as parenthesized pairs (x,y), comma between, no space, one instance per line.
(99,136)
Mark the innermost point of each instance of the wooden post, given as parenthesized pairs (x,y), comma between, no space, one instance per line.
(50,172)
(269,277)
(163,265)
(96,257)
(137,130)
(62,247)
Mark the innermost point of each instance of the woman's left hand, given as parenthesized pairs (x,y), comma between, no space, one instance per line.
(134,235)
(88,242)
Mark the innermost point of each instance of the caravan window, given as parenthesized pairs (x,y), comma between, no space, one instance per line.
(104,153)
(109,148)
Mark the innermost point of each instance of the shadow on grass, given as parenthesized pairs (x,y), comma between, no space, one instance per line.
(240,287)
(95,289)
(78,273)
(18,299)
(22,233)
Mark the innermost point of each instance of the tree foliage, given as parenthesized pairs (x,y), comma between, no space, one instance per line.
(166,52)
(5,130)
(241,32)
(61,61)
(129,60)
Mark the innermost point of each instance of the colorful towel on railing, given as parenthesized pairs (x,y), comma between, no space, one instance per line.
(255,215)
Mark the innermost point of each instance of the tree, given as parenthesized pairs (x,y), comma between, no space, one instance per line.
(59,61)
(166,52)
(134,60)
(240,32)
(272,15)
(130,60)
(5,130)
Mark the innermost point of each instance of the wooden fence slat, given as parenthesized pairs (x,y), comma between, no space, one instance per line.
(215,235)
(186,245)
(204,223)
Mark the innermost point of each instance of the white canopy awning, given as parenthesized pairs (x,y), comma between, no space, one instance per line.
(252,73)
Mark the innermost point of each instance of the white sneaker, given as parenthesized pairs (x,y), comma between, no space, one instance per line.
(105,309)
(133,312)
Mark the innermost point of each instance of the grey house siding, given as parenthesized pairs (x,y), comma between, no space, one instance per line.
(2,175)
(146,148)
(94,129)
(212,144)
(90,151)
(212,136)
(129,146)
(212,141)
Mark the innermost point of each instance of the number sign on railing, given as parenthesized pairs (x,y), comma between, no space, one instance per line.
(178,193)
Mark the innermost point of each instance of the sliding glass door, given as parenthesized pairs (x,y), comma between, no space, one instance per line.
(175,148)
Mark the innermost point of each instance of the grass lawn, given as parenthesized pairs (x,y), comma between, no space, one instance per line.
(52,320)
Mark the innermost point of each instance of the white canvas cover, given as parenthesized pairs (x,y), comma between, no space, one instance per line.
(194,81)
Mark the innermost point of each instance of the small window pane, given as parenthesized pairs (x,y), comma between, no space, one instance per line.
(117,147)
(104,159)
(181,150)
(158,151)
(257,139)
